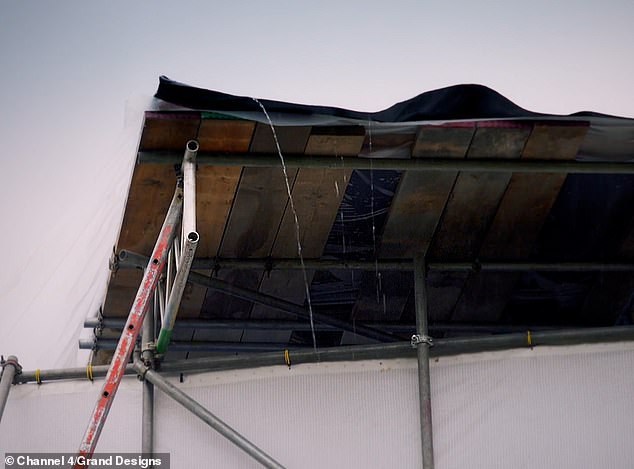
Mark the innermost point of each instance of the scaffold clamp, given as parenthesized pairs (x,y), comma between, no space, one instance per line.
(418,339)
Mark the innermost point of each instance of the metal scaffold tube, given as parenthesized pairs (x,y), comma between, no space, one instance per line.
(268,264)
(207,417)
(10,368)
(176,294)
(126,344)
(278,325)
(188,168)
(422,341)
(543,165)
(184,254)
(381,351)
(147,355)
(131,259)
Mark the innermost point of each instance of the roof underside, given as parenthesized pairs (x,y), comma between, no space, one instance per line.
(370,216)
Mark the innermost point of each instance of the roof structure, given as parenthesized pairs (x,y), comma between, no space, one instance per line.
(525,219)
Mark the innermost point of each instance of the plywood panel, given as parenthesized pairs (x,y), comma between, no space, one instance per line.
(416,211)
(225,135)
(316,199)
(500,139)
(475,197)
(317,194)
(256,215)
(216,186)
(122,289)
(520,216)
(168,131)
(257,212)
(444,141)
(385,143)
(251,230)
(556,141)
(530,197)
(339,141)
(421,197)
(215,190)
(151,192)
(292,140)
(469,212)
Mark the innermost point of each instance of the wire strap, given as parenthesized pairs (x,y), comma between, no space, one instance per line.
(89,372)
(38,378)
(287,358)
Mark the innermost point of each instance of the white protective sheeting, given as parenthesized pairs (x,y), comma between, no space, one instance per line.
(56,266)
(566,407)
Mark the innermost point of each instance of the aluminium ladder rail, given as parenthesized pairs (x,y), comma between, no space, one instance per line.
(144,296)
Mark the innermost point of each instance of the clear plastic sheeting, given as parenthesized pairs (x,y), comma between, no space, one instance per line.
(560,407)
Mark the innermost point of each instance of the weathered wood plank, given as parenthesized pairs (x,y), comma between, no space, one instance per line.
(556,141)
(292,140)
(215,189)
(225,135)
(499,139)
(216,186)
(529,197)
(414,215)
(168,131)
(316,200)
(471,211)
(257,212)
(447,140)
(421,197)
(386,143)
(521,215)
(151,192)
(339,141)
(123,287)
(316,196)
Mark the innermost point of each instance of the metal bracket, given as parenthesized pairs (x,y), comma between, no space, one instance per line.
(418,339)
(11,360)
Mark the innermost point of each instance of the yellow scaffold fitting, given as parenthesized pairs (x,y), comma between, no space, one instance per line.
(89,372)
(287,358)
(38,378)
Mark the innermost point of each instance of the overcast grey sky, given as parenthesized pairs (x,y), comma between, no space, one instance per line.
(69,67)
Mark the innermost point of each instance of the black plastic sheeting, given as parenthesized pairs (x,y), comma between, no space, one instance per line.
(609,138)
(588,222)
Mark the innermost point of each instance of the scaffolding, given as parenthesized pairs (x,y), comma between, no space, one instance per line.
(169,268)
